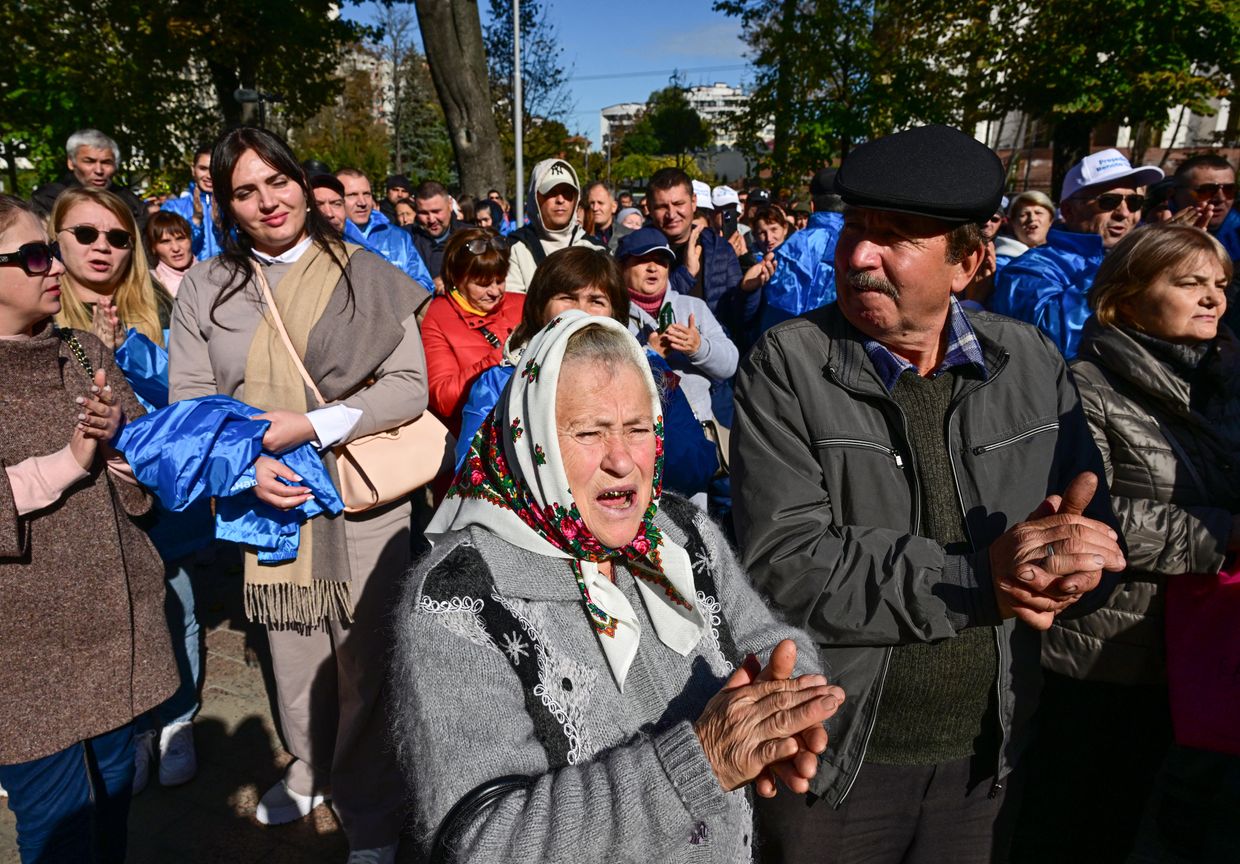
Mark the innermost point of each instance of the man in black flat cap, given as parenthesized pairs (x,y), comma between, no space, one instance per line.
(914,485)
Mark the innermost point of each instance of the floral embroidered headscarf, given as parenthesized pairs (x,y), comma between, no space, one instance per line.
(513,484)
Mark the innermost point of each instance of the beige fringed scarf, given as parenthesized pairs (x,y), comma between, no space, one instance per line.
(302,591)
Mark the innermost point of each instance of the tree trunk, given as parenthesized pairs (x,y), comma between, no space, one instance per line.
(452,36)
(1070,144)
(785,90)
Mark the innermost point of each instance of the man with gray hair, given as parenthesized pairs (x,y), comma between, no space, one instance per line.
(92,159)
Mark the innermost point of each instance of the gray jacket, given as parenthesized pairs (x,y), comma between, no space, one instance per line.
(614,777)
(1173,487)
(827,507)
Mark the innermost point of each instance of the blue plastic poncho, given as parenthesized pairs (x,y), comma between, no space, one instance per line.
(205,448)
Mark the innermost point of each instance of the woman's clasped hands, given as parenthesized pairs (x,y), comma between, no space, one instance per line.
(99,419)
(765,724)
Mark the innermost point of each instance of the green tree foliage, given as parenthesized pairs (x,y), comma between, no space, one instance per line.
(669,125)
(157,76)
(829,73)
(347,133)
(544,78)
(422,128)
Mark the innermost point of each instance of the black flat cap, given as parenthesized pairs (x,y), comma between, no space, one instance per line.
(823,182)
(933,171)
(327,181)
(398,181)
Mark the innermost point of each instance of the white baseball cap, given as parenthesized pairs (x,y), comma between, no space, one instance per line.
(725,196)
(701,193)
(1106,166)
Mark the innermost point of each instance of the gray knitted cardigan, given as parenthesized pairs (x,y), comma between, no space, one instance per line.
(616,777)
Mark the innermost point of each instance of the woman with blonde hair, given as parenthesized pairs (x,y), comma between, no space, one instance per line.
(106,273)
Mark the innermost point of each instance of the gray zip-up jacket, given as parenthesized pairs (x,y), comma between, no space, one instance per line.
(826,507)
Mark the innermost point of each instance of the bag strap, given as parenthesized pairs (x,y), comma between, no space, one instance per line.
(467,808)
(278,323)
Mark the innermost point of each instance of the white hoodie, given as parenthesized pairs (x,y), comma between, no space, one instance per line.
(522,264)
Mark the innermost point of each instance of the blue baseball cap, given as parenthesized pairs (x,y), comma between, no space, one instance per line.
(643,241)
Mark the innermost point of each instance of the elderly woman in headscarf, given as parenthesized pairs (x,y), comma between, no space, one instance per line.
(591,643)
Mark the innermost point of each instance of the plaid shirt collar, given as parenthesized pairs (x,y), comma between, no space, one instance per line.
(963,349)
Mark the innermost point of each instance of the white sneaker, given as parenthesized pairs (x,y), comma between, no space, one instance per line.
(281,804)
(177,761)
(3,794)
(380,855)
(143,748)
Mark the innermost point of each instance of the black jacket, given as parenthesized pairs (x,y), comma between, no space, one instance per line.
(431,248)
(45,196)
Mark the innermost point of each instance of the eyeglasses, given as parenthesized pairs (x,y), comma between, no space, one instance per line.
(1110,200)
(1206,191)
(35,258)
(482,244)
(87,234)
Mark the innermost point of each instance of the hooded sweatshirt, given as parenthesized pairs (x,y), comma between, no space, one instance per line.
(534,242)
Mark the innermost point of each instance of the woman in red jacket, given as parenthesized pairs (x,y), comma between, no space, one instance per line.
(465,329)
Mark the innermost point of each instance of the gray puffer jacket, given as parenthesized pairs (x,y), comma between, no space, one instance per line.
(1169,436)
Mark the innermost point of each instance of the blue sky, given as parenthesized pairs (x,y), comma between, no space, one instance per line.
(635,44)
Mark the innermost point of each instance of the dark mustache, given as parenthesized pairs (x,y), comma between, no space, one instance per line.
(859,281)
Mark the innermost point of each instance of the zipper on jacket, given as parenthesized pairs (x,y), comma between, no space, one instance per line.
(869,445)
(869,729)
(915,486)
(1028,433)
(997,786)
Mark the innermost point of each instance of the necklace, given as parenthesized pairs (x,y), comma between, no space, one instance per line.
(79,353)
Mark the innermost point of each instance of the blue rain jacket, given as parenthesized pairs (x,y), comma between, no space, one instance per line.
(393,244)
(205,448)
(205,239)
(145,366)
(1229,235)
(689,458)
(1048,286)
(804,278)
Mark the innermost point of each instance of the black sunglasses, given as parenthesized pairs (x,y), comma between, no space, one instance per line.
(482,244)
(1206,191)
(87,234)
(1110,200)
(35,258)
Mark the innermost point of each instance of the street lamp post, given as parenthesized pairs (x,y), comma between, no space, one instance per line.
(517,113)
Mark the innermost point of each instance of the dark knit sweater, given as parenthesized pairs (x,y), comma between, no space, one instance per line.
(936,702)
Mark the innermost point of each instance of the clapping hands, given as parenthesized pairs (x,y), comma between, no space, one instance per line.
(766,724)
(1045,564)
(99,419)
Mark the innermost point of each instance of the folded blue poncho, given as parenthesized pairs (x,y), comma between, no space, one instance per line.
(205,448)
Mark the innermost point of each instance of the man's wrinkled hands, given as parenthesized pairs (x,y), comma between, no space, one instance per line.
(1045,564)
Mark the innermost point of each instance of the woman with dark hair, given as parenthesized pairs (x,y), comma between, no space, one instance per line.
(488,214)
(324,610)
(465,328)
(83,645)
(169,240)
(589,280)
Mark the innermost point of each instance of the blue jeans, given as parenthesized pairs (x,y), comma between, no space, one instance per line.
(183,626)
(73,807)
(182,618)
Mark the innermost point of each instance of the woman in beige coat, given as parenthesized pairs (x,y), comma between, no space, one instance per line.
(352,319)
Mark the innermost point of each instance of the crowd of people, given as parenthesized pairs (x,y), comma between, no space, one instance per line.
(692,524)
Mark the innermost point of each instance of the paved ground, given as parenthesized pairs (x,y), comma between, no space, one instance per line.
(211,819)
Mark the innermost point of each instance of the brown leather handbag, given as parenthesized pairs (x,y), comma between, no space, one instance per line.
(384,467)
